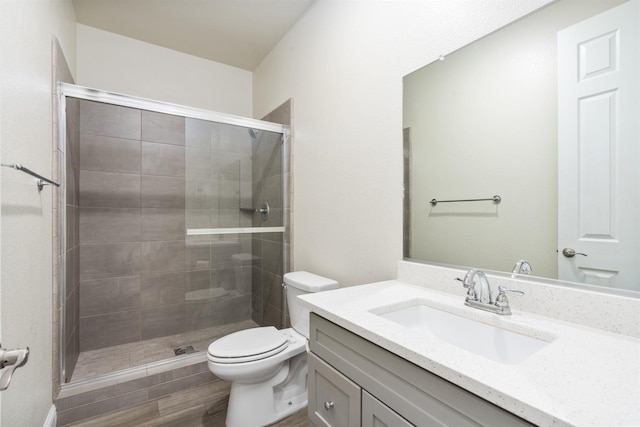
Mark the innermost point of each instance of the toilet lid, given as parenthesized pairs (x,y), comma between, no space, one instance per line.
(247,345)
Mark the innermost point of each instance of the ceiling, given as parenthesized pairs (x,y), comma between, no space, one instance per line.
(239,33)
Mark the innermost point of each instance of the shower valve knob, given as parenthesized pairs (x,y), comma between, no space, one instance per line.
(264,211)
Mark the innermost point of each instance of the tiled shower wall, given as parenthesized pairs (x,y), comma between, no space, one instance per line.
(139,277)
(270,169)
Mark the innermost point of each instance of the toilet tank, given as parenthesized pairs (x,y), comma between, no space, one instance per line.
(301,283)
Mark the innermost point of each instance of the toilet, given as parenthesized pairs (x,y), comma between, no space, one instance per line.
(267,367)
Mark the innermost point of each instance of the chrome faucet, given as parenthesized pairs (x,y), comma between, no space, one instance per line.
(482,298)
(484,294)
(522,267)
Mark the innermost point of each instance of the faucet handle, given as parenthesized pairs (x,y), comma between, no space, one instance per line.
(502,297)
(502,290)
(469,282)
(464,282)
(471,293)
(502,302)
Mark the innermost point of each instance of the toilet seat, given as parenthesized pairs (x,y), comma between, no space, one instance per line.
(247,345)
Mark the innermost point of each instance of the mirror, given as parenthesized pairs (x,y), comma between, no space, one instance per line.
(484,122)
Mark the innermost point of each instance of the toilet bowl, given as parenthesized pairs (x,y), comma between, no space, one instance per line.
(254,355)
(267,367)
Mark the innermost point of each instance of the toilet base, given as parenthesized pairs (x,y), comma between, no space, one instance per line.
(270,401)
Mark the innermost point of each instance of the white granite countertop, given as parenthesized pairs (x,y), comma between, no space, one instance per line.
(584,377)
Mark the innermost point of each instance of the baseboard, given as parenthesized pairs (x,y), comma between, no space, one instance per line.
(52,417)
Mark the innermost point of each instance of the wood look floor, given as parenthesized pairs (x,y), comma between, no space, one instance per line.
(299,419)
(187,418)
(202,406)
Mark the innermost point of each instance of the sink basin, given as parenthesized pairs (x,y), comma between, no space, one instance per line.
(482,339)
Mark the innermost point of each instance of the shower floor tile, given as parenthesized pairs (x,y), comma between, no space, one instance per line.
(108,360)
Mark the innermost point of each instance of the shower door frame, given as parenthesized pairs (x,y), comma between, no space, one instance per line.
(65,90)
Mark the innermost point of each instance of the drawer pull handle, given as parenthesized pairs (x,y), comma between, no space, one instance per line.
(328,405)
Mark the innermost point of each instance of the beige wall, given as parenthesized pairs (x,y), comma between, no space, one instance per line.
(343,65)
(120,64)
(26,28)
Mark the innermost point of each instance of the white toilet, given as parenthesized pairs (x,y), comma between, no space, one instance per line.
(267,367)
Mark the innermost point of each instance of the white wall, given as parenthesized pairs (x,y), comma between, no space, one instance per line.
(120,64)
(343,65)
(26,28)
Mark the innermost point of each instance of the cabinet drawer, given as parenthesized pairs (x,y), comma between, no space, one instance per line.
(334,400)
(377,414)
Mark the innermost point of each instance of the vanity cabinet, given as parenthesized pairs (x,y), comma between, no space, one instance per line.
(353,382)
(376,413)
(334,400)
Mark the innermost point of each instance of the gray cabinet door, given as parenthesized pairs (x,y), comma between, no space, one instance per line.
(334,400)
(377,414)
(420,397)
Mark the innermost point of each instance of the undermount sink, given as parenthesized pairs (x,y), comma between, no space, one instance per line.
(492,342)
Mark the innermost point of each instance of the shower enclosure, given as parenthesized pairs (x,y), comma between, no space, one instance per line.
(172,230)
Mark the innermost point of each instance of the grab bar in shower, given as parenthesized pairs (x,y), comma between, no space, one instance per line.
(495,199)
(41,182)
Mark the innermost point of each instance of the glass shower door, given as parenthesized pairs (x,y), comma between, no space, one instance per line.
(234,220)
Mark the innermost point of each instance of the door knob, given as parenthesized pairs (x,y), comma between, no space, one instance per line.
(10,360)
(570,253)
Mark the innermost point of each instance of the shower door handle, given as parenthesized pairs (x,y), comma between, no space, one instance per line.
(10,360)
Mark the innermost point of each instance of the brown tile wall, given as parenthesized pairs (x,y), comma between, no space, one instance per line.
(139,170)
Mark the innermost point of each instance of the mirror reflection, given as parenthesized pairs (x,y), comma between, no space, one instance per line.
(542,113)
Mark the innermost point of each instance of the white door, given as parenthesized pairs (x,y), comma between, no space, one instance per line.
(599,149)
(0,274)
